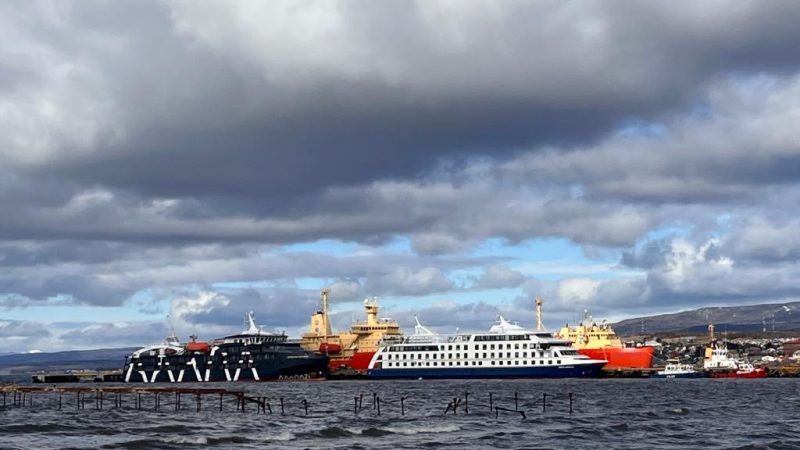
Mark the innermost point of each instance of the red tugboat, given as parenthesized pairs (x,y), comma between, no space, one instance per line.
(719,364)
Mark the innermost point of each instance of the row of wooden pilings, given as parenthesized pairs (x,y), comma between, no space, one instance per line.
(20,396)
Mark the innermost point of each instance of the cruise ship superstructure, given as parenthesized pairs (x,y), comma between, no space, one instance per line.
(506,351)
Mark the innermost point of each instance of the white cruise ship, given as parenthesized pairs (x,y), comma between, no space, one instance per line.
(506,351)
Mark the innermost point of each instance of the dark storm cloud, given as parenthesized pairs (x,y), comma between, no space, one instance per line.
(499,276)
(168,269)
(165,144)
(201,111)
(22,329)
(276,307)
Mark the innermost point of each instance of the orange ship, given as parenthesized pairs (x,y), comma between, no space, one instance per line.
(349,349)
(600,342)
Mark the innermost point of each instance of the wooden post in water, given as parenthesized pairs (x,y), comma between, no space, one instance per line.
(305,405)
(570,402)
(544,402)
(282,412)
(402,406)
(198,398)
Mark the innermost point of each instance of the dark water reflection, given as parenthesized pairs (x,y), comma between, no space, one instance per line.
(614,413)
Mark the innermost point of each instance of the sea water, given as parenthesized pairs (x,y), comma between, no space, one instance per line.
(606,413)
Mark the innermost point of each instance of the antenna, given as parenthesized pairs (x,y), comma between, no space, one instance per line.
(171,326)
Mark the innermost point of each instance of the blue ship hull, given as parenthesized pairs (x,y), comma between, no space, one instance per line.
(564,371)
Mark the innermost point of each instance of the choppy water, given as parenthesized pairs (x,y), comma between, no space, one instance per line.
(611,413)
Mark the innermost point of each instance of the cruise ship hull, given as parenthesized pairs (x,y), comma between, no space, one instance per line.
(564,371)
(622,357)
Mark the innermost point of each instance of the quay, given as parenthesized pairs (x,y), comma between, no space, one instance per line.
(639,372)
(78,376)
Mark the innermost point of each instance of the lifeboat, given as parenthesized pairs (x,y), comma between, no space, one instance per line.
(327,347)
(198,346)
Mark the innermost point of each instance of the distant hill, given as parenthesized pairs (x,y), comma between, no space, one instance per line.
(778,317)
(107,358)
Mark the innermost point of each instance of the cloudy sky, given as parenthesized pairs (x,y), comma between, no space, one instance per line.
(455,158)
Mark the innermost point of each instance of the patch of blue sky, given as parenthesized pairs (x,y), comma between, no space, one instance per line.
(641,128)
(398,244)
(312,283)
(324,246)
(552,259)
(670,231)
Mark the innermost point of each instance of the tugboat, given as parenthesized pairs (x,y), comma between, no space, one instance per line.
(252,355)
(350,351)
(506,351)
(719,364)
(675,369)
(599,341)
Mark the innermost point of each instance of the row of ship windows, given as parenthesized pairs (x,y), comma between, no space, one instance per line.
(436,348)
(467,363)
(391,356)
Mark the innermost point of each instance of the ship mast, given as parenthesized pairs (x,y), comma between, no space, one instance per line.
(539,325)
(326,325)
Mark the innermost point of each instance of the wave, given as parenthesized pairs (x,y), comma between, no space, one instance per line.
(337,432)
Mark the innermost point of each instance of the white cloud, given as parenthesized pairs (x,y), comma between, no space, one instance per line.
(578,290)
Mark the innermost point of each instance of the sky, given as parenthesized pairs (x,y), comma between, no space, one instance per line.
(179,163)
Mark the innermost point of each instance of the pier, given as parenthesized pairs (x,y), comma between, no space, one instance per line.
(76,398)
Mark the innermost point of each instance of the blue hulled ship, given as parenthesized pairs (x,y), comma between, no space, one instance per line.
(252,355)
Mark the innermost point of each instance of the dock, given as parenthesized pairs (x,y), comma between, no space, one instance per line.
(78,376)
(629,372)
